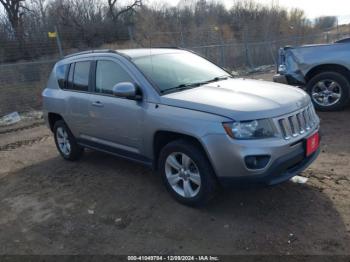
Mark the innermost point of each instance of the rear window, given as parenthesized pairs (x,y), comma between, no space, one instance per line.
(70,77)
(78,76)
(61,72)
(81,76)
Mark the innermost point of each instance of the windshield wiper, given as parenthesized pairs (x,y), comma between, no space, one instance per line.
(191,85)
(216,79)
(181,87)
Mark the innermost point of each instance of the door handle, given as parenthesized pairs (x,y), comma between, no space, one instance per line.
(97,104)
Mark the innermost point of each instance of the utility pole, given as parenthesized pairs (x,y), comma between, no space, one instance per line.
(58,40)
(337,29)
(246,48)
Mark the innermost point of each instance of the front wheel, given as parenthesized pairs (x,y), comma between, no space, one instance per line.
(329,91)
(187,173)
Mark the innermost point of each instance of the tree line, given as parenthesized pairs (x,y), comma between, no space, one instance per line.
(83,24)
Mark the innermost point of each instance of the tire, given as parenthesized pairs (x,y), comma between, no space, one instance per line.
(197,167)
(337,94)
(62,135)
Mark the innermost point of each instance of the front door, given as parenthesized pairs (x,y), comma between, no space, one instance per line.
(114,122)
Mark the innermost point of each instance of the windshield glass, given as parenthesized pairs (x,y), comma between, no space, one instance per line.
(169,71)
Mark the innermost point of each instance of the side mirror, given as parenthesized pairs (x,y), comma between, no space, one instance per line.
(127,90)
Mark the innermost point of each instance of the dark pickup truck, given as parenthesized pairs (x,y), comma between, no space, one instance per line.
(323,70)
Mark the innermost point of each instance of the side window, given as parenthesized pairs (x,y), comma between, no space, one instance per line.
(108,74)
(70,77)
(61,72)
(81,76)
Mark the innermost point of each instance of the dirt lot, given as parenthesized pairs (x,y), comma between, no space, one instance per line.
(104,205)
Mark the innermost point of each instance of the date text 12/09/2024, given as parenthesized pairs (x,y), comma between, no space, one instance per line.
(173,258)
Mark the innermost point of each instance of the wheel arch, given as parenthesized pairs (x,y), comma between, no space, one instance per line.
(327,68)
(53,118)
(162,137)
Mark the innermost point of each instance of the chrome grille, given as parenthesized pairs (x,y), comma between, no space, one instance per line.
(298,123)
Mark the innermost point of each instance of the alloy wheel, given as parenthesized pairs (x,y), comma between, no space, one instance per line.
(326,92)
(63,141)
(182,174)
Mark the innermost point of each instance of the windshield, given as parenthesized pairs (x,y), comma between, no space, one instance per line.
(174,71)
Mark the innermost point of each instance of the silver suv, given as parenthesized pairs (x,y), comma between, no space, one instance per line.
(182,115)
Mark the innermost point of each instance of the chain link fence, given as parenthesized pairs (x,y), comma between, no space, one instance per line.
(250,55)
(22,82)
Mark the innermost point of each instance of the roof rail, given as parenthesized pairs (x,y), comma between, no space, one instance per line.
(171,47)
(180,48)
(91,52)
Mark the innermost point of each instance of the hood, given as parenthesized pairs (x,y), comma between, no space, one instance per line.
(240,99)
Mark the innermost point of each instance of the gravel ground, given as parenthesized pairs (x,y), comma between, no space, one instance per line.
(105,205)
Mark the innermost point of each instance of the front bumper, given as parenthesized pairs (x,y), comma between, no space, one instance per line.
(296,80)
(282,79)
(287,159)
(280,171)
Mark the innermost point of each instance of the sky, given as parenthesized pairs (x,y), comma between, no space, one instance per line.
(312,8)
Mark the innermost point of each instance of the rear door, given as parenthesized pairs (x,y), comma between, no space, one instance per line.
(78,97)
(114,122)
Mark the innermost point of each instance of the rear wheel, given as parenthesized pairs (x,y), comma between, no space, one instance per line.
(187,173)
(65,142)
(329,91)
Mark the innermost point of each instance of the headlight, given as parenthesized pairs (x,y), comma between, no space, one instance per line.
(282,69)
(254,129)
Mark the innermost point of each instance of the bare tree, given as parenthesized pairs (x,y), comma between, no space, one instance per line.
(39,9)
(325,22)
(15,10)
(84,24)
(115,13)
